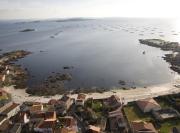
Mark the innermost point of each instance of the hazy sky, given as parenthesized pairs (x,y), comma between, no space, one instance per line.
(27,9)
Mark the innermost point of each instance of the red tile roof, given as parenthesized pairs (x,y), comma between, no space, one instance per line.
(149,102)
(46,124)
(94,129)
(52,102)
(13,106)
(143,127)
(81,96)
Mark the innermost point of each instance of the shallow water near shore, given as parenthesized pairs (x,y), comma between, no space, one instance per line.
(101,51)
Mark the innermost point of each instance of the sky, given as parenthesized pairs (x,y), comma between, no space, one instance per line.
(43,9)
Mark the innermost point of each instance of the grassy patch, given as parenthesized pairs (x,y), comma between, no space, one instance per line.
(97,106)
(166,127)
(133,113)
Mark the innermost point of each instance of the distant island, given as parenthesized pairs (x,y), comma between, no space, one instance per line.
(73,19)
(27,30)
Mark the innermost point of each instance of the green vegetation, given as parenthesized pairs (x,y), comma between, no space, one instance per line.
(166,127)
(133,113)
(163,103)
(97,106)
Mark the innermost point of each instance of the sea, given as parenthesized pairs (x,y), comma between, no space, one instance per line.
(100,52)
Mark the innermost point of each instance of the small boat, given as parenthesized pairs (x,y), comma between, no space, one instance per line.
(144,52)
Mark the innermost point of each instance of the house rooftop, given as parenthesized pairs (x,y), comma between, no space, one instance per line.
(4,126)
(52,101)
(81,96)
(143,127)
(66,130)
(94,128)
(166,114)
(149,102)
(13,106)
(2,92)
(46,124)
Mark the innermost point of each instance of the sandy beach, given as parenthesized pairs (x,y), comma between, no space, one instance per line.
(19,95)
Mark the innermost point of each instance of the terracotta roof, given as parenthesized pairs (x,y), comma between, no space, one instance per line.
(46,124)
(52,101)
(67,130)
(94,128)
(10,108)
(113,101)
(150,102)
(81,96)
(2,92)
(118,113)
(4,126)
(142,126)
(114,98)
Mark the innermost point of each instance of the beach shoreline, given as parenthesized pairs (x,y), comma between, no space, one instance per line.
(20,95)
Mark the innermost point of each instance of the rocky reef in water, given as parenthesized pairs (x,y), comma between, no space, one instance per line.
(51,86)
(173,58)
(164,45)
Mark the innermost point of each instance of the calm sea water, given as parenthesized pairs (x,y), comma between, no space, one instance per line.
(102,51)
